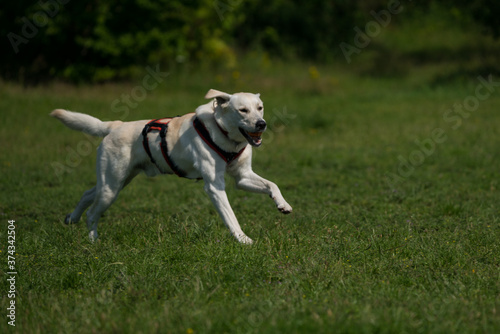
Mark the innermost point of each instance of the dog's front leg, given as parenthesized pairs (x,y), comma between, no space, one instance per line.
(217,193)
(252,182)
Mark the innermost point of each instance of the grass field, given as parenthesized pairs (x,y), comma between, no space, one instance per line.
(395,226)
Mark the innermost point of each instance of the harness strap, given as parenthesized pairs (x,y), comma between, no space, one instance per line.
(221,129)
(228,157)
(156,125)
(162,127)
(145,142)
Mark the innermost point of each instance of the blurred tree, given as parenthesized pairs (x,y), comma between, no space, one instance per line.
(100,40)
(309,29)
(485,12)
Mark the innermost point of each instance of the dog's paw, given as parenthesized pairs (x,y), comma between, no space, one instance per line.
(93,236)
(244,239)
(285,208)
(68,220)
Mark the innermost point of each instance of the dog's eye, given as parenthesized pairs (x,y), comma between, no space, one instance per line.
(245,110)
(259,108)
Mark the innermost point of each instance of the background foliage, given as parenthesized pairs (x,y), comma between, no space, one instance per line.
(102,40)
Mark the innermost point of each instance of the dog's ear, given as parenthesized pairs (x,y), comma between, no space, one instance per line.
(221,97)
(217,93)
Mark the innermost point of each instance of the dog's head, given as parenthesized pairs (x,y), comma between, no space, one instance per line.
(240,114)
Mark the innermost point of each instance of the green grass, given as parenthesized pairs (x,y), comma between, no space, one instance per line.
(358,254)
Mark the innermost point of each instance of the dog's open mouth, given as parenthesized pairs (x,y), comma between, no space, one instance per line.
(254,138)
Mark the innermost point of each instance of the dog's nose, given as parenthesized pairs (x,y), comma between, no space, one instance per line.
(260,125)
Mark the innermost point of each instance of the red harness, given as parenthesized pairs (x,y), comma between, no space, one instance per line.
(228,157)
(202,131)
(162,127)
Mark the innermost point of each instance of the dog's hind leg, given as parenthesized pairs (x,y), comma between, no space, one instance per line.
(105,196)
(85,202)
(112,177)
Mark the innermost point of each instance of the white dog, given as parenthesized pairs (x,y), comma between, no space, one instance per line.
(217,138)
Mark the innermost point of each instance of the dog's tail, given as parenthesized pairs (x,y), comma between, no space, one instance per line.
(84,123)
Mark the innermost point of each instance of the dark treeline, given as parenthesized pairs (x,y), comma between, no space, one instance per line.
(102,40)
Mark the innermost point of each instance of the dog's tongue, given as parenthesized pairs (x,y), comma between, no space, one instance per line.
(255,134)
